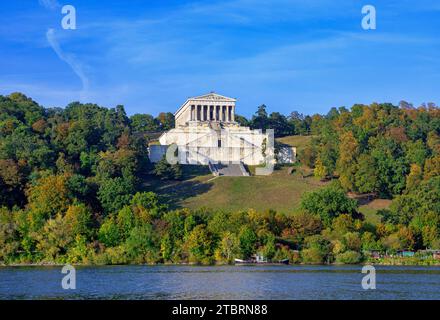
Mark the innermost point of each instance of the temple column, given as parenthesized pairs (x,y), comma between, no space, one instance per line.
(199,109)
(233,114)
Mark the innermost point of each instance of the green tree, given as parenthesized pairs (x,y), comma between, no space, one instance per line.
(328,203)
(115,193)
(248,242)
(228,249)
(166,171)
(200,245)
(317,250)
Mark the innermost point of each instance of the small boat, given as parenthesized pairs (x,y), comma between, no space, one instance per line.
(260,261)
(240,261)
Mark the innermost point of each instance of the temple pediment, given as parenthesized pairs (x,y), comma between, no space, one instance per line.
(213,97)
(207,107)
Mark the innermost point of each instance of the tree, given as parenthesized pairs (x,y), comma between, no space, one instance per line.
(115,193)
(144,123)
(307,156)
(317,250)
(166,120)
(149,201)
(78,219)
(366,176)
(280,125)
(109,233)
(54,239)
(346,163)
(432,167)
(248,242)
(199,244)
(416,152)
(320,170)
(167,171)
(414,177)
(9,236)
(141,245)
(328,203)
(11,180)
(242,121)
(349,257)
(260,120)
(50,196)
(301,226)
(229,247)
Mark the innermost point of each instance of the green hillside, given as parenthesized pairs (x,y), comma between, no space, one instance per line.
(279,191)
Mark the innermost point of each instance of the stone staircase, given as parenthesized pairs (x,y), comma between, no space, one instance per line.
(229,170)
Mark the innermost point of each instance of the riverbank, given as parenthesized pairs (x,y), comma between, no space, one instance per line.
(396,261)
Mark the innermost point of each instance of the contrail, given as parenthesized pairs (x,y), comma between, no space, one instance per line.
(71,61)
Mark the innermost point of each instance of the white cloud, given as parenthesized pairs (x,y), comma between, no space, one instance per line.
(49,4)
(76,66)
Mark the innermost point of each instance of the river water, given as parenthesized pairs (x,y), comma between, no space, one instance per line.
(225,282)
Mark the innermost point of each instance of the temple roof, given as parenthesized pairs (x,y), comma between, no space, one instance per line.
(212,96)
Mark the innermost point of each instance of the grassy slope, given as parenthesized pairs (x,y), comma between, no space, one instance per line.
(370,210)
(300,142)
(279,191)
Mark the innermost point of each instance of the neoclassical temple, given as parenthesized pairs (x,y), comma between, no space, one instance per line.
(211,107)
(206,132)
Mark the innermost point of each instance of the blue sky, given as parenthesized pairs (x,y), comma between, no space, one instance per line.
(150,56)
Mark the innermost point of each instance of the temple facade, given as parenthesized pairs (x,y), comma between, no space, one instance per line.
(206,132)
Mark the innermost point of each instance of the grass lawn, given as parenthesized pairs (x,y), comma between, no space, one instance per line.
(300,142)
(370,209)
(279,191)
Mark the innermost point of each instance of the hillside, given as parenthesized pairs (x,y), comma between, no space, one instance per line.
(279,191)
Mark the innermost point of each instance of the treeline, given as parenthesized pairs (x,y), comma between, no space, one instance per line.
(293,124)
(71,191)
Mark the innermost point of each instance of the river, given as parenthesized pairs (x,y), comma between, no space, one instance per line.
(225,282)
